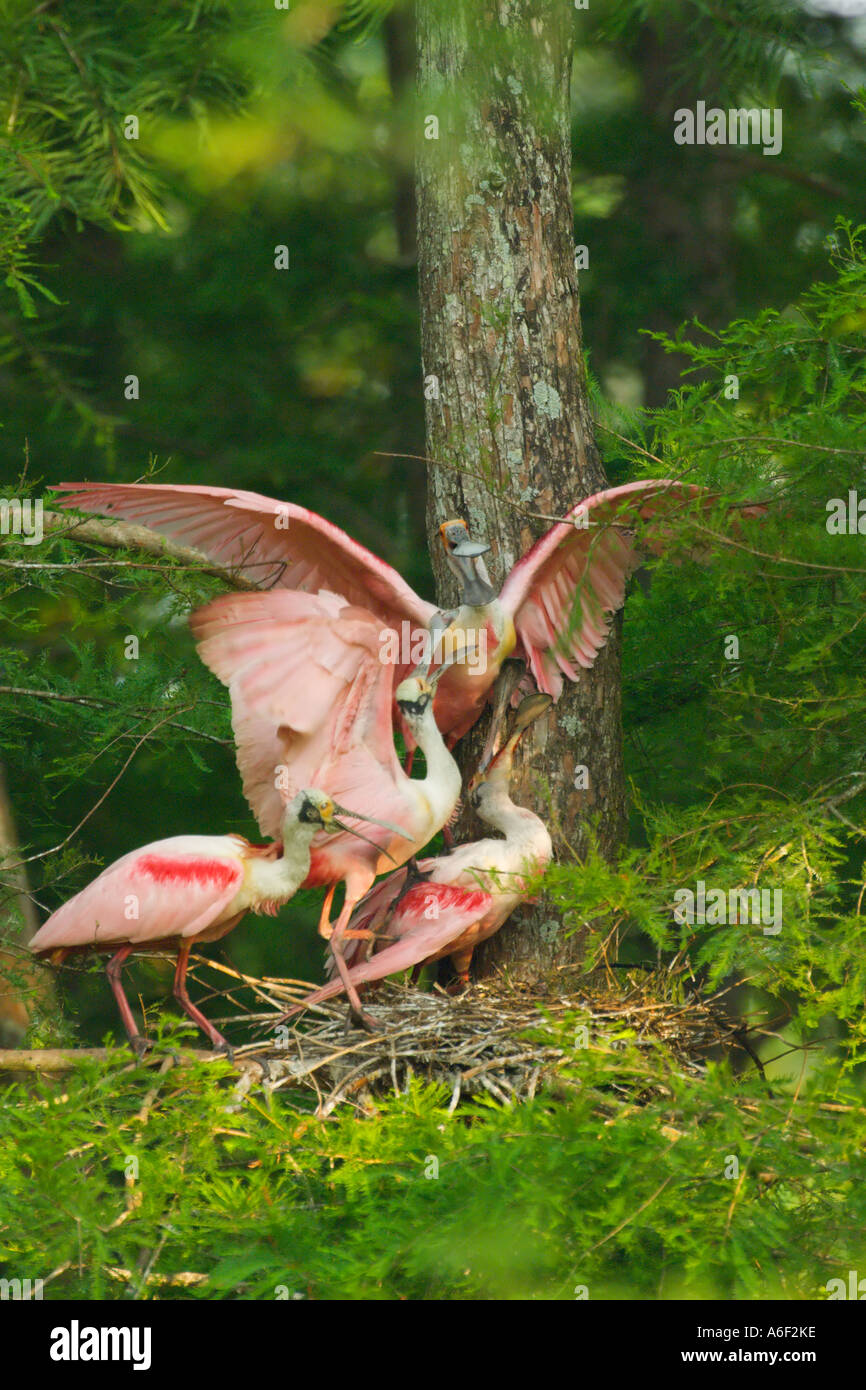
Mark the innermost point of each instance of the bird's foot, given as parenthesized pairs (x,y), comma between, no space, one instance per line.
(364,1020)
(224,1048)
(140,1045)
(458,986)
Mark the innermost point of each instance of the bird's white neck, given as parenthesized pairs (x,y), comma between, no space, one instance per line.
(269,881)
(522,828)
(441,766)
(439,790)
(297,839)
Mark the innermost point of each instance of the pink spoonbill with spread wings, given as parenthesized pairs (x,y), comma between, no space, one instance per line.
(553,610)
(311,693)
(173,893)
(311,702)
(450,904)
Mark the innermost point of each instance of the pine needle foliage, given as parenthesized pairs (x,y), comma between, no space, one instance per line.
(725,46)
(83,89)
(106,1195)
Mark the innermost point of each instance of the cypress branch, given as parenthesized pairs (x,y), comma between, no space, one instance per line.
(125,535)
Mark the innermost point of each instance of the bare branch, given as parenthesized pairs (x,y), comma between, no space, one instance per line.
(108,790)
(750,163)
(125,535)
(60,1059)
(105,704)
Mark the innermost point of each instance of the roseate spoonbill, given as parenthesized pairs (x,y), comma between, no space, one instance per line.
(189,888)
(454,902)
(311,694)
(311,700)
(354,749)
(553,610)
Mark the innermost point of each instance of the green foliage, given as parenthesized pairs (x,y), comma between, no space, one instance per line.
(71,82)
(626,1200)
(751,767)
(744,44)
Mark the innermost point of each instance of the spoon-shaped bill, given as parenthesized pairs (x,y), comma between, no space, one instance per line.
(371,820)
(333,824)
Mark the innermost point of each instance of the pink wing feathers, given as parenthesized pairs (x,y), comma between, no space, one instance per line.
(356,763)
(312,693)
(563,592)
(160,890)
(424,923)
(290,654)
(282,667)
(275,544)
(372,911)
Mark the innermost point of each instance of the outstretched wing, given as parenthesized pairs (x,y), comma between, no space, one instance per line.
(371,914)
(160,890)
(275,544)
(374,909)
(563,593)
(289,654)
(424,923)
(312,690)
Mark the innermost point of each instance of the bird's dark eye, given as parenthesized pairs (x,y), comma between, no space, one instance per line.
(414,707)
(309,813)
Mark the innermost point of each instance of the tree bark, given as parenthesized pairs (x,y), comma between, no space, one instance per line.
(20,979)
(16,907)
(507,411)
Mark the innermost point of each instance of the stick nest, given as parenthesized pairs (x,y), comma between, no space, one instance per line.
(499,1038)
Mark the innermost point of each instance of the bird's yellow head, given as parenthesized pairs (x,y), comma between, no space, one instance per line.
(413,695)
(316,808)
(464,558)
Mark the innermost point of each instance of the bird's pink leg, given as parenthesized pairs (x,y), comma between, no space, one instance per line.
(113,971)
(337,936)
(336,942)
(461,960)
(335,933)
(180,993)
(325,927)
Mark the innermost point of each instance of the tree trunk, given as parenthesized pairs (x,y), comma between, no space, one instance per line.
(507,412)
(19,977)
(18,919)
